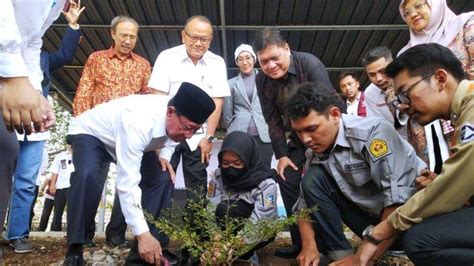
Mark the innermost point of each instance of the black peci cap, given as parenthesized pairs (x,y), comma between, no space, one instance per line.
(193,103)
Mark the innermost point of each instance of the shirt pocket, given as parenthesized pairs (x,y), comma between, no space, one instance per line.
(357,173)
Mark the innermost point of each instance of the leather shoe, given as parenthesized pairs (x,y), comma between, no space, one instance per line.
(288,253)
(74,260)
(116,241)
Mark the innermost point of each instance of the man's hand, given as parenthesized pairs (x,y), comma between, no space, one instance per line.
(206,148)
(425,178)
(21,105)
(49,118)
(166,166)
(52,190)
(309,255)
(365,253)
(283,163)
(73,13)
(149,248)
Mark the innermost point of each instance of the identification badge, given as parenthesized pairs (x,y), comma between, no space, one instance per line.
(467,133)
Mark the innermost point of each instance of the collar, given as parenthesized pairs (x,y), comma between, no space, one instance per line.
(292,67)
(356,100)
(111,53)
(183,55)
(341,140)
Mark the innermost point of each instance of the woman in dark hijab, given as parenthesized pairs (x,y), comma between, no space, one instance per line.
(243,186)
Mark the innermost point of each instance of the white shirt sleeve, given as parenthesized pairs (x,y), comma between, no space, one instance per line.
(56,165)
(11,58)
(130,144)
(221,86)
(167,151)
(159,79)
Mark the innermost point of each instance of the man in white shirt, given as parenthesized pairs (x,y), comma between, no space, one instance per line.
(128,130)
(375,62)
(193,62)
(355,100)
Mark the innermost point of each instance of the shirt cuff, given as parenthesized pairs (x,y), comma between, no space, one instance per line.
(12,65)
(74,26)
(138,226)
(400,221)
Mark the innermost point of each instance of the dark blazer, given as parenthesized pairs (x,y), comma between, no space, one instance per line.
(64,55)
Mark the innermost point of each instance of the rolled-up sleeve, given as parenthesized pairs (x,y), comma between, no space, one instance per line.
(393,163)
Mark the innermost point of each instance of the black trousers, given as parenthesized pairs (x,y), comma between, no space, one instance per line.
(446,239)
(117,225)
(47,209)
(265,151)
(195,173)
(87,182)
(60,199)
(290,188)
(9,148)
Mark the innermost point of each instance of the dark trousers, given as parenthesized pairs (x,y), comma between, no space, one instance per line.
(320,189)
(290,188)
(194,172)
(265,151)
(47,209)
(32,209)
(9,148)
(87,181)
(60,199)
(446,239)
(117,225)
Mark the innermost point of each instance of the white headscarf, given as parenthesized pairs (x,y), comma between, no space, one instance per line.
(442,28)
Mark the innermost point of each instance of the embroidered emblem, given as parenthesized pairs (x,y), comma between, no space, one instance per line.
(470,89)
(270,200)
(378,148)
(355,166)
(467,133)
(211,190)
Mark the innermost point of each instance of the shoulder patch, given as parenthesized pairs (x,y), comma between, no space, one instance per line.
(467,133)
(470,90)
(269,200)
(211,190)
(378,148)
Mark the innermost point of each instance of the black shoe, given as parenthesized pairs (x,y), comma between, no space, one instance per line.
(74,260)
(89,244)
(170,256)
(116,241)
(288,253)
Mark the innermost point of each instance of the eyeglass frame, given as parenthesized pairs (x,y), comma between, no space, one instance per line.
(402,97)
(186,129)
(415,8)
(194,38)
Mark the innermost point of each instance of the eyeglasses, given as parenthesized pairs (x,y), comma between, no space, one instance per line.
(402,97)
(194,38)
(416,8)
(246,59)
(187,129)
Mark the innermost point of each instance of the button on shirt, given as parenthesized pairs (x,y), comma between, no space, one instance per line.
(63,167)
(371,164)
(128,127)
(173,67)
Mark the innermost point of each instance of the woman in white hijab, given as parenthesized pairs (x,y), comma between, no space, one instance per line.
(433,21)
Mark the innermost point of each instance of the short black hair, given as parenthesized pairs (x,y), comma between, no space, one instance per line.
(424,59)
(313,96)
(267,36)
(375,54)
(345,74)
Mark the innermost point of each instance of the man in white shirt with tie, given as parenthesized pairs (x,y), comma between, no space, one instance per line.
(127,131)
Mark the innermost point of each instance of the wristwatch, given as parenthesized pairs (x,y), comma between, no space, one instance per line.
(211,139)
(367,235)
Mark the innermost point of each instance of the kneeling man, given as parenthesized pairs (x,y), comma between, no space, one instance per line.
(127,131)
(357,171)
